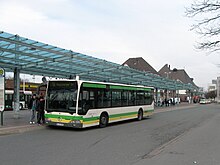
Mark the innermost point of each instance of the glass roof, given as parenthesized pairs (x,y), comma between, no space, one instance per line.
(33,57)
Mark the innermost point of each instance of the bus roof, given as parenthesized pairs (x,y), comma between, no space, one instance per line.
(105,83)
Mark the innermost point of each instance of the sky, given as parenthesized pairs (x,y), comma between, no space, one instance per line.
(115,30)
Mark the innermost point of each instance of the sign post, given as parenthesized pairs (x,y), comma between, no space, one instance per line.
(218,89)
(2,93)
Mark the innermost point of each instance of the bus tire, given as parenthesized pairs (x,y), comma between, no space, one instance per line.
(140,115)
(103,120)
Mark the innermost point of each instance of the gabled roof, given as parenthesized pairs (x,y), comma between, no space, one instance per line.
(165,69)
(176,74)
(140,64)
(182,76)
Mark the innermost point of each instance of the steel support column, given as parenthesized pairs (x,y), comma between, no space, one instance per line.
(156,96)
(174,96)
(16,92)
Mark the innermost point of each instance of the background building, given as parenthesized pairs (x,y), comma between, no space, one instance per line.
(175,74)
(181,76)
(140,64)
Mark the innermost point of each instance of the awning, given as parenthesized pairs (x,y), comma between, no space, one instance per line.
(33,57)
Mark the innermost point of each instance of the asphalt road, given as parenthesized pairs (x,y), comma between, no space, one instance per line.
(124,143)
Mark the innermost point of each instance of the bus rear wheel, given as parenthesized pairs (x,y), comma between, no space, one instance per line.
(140,115)
(103,121)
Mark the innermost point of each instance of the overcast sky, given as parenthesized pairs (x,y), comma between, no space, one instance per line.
(115,30)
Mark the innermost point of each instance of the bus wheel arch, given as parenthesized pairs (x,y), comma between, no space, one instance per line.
(140,114)
(103,120)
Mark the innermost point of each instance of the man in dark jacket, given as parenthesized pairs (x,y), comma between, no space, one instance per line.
(40,110)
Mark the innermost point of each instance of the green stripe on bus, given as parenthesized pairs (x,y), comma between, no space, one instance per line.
(64,117)
(71,117)
(147,89)
(91,85)
(122,87)
(91,118)
(129,88)
(94,85)
(122,114)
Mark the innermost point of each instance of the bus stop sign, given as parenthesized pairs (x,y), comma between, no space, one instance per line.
(2,89)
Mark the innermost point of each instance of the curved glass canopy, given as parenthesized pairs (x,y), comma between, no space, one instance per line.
(33,57)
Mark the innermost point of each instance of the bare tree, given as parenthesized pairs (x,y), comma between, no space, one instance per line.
(207,18)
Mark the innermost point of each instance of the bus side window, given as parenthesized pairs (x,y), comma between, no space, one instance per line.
(85,95)
(100,98)
(148,97)
(103,98)
(125,98)
(131,98)
(116,98)
(85,102)
(92,99)
(106,99)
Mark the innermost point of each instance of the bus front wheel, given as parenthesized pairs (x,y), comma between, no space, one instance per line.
(140,115)
(103,121)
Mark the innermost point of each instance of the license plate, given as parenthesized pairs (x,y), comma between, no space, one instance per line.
(59,124)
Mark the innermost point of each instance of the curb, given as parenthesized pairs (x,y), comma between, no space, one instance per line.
(18,129)
(173,108)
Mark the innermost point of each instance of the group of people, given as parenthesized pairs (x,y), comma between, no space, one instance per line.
(167,102)
(36,106)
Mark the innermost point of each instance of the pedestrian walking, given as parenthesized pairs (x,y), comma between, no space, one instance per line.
(40,111)
(33,105)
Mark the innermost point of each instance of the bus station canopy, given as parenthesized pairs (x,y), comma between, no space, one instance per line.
(37,58)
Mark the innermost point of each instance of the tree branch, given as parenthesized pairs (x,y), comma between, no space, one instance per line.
(208,12)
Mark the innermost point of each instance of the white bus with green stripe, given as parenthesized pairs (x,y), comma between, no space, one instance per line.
(80,104)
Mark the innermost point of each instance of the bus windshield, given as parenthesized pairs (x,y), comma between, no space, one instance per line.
(62,96)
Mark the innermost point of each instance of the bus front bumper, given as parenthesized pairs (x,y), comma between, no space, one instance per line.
(72,124)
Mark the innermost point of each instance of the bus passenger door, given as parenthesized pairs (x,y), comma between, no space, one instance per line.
(87,102)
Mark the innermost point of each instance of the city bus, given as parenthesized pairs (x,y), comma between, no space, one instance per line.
(80,104)
(25,97)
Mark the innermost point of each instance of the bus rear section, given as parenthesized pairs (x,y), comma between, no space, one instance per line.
(83,104)
(24,99)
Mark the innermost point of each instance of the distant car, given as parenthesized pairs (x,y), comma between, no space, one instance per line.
(205,101)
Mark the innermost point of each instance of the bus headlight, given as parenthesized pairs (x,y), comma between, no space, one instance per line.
(47,119)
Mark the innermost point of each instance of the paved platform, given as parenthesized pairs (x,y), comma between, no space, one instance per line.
(17,123)
(11,119)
